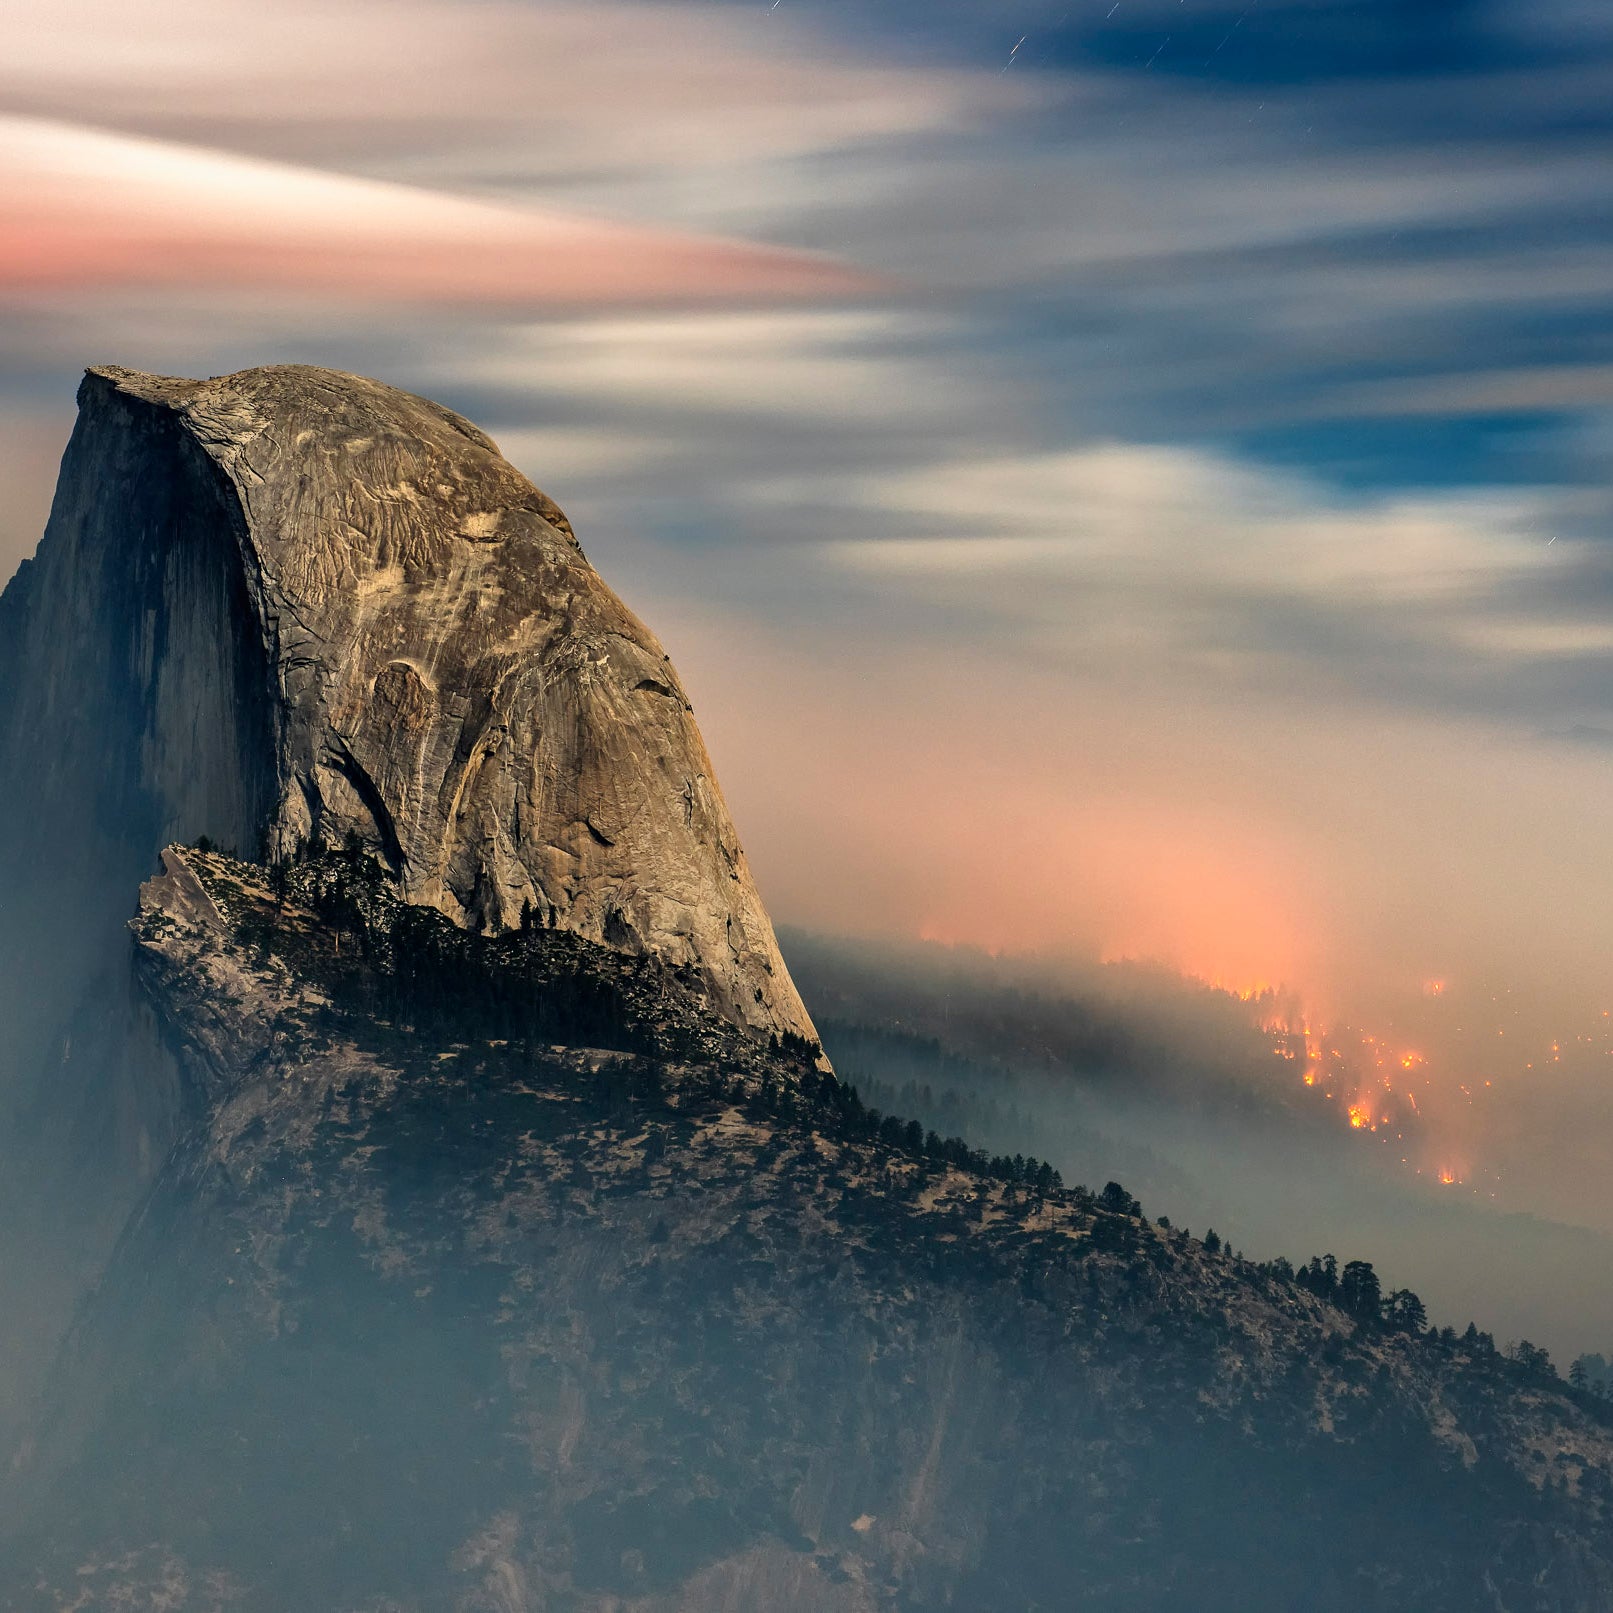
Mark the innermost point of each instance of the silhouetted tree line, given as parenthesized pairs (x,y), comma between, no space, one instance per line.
(836,1108)
(1356,1290)
(1593,1374)
(951,1111)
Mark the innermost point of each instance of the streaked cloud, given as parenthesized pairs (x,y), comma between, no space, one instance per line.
(1545,388)
(844,368)
(548,91)
(1144,561)
(83,210)
(1145,514)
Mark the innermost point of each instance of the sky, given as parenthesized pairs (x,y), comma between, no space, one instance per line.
(1124,479)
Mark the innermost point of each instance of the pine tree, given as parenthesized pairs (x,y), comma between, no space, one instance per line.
(1360,1293)
(1405,1312)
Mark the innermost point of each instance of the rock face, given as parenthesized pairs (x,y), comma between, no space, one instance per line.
(414,649)
(277,609)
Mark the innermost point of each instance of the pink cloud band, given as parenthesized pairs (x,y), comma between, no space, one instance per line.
(81,208)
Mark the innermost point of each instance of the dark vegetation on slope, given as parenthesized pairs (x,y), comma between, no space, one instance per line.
(1001,1051)
(953,1092)
(1101,1413)
(396,971)
(487,1323)
(1127,1031)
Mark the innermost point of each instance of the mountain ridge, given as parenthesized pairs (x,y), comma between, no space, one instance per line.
(432,1244)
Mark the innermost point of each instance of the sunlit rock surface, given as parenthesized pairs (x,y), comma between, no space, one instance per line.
(447,676)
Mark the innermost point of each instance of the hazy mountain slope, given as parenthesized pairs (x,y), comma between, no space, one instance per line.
(1172,1088)
(432,1322)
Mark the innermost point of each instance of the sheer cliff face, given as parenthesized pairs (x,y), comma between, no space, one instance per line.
(135,707)
(352,614)
(280,607)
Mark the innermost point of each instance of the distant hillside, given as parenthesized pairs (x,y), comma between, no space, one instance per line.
(1172,1087)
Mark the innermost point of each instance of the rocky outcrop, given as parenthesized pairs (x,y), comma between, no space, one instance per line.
(438,669)
(278,609)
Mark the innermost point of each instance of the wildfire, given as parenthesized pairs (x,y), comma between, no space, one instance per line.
(1378,1086)
(1425,1087)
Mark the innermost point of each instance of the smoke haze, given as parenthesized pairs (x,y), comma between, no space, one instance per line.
(1187,1096)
